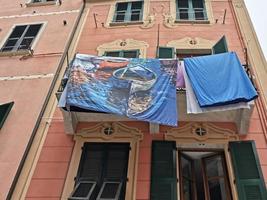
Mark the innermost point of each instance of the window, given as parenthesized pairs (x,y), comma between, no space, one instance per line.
(165,52)
(42,1)
(123,53)
(191,10)
(128,12)
(21,38)
(102,172)
(4,111)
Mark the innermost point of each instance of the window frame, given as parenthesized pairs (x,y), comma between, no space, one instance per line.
(191,11)
(121,52)
(122,134)
(22,51)
(128,13)
(104,148)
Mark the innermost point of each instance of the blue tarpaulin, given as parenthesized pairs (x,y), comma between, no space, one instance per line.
(142,89)
(219,79)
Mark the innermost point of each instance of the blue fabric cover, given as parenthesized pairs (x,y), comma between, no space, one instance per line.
(142,89)
(219,79)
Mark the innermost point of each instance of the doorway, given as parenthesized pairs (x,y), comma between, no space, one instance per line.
(203,175)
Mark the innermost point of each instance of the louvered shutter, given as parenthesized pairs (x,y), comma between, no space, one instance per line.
(165,52)
(117,161)
(249,179)
(4,111)
(91,164)
(163,171)
(220,46)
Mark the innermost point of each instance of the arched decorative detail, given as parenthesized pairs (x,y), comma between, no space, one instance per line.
(119,131)
(191,43)
(213,134)
(127,44)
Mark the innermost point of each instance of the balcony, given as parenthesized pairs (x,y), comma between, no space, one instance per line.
(73,115)
(240,117)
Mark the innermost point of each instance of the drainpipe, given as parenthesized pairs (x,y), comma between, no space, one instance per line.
(39,119)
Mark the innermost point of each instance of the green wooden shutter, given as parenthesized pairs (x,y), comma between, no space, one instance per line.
(249,179)
(165,52)
(163,171)
(220,46)
(4,111)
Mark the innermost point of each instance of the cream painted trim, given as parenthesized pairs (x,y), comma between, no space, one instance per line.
(170,18)
(33,156)
(39,14)
(255,54)
(122,133)
(191,43)
(35,41)
(147,21)
(128,44)
(215,138)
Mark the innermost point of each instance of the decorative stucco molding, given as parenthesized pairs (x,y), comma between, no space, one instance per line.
(117,131)
(128,44)
(214,134)
(190,43)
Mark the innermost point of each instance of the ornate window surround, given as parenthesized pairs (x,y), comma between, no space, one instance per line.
(147,21)
(196,45)
(214,139)
(170,18)
(127,44)
(121,133)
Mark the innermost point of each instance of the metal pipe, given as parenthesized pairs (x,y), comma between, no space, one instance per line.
(95,20)
(40,116)
(157,50)
(224,16)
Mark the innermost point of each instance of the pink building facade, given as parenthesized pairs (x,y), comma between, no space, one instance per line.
(33,39)
(219,155)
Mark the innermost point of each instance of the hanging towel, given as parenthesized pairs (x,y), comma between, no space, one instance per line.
(219,80)
(193,106)
(180,77)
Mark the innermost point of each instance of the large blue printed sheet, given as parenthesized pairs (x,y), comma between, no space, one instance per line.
(142,89)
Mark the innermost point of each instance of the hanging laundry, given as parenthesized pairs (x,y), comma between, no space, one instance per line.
(219,80)
(193,106)
(180,83)
(142,89)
